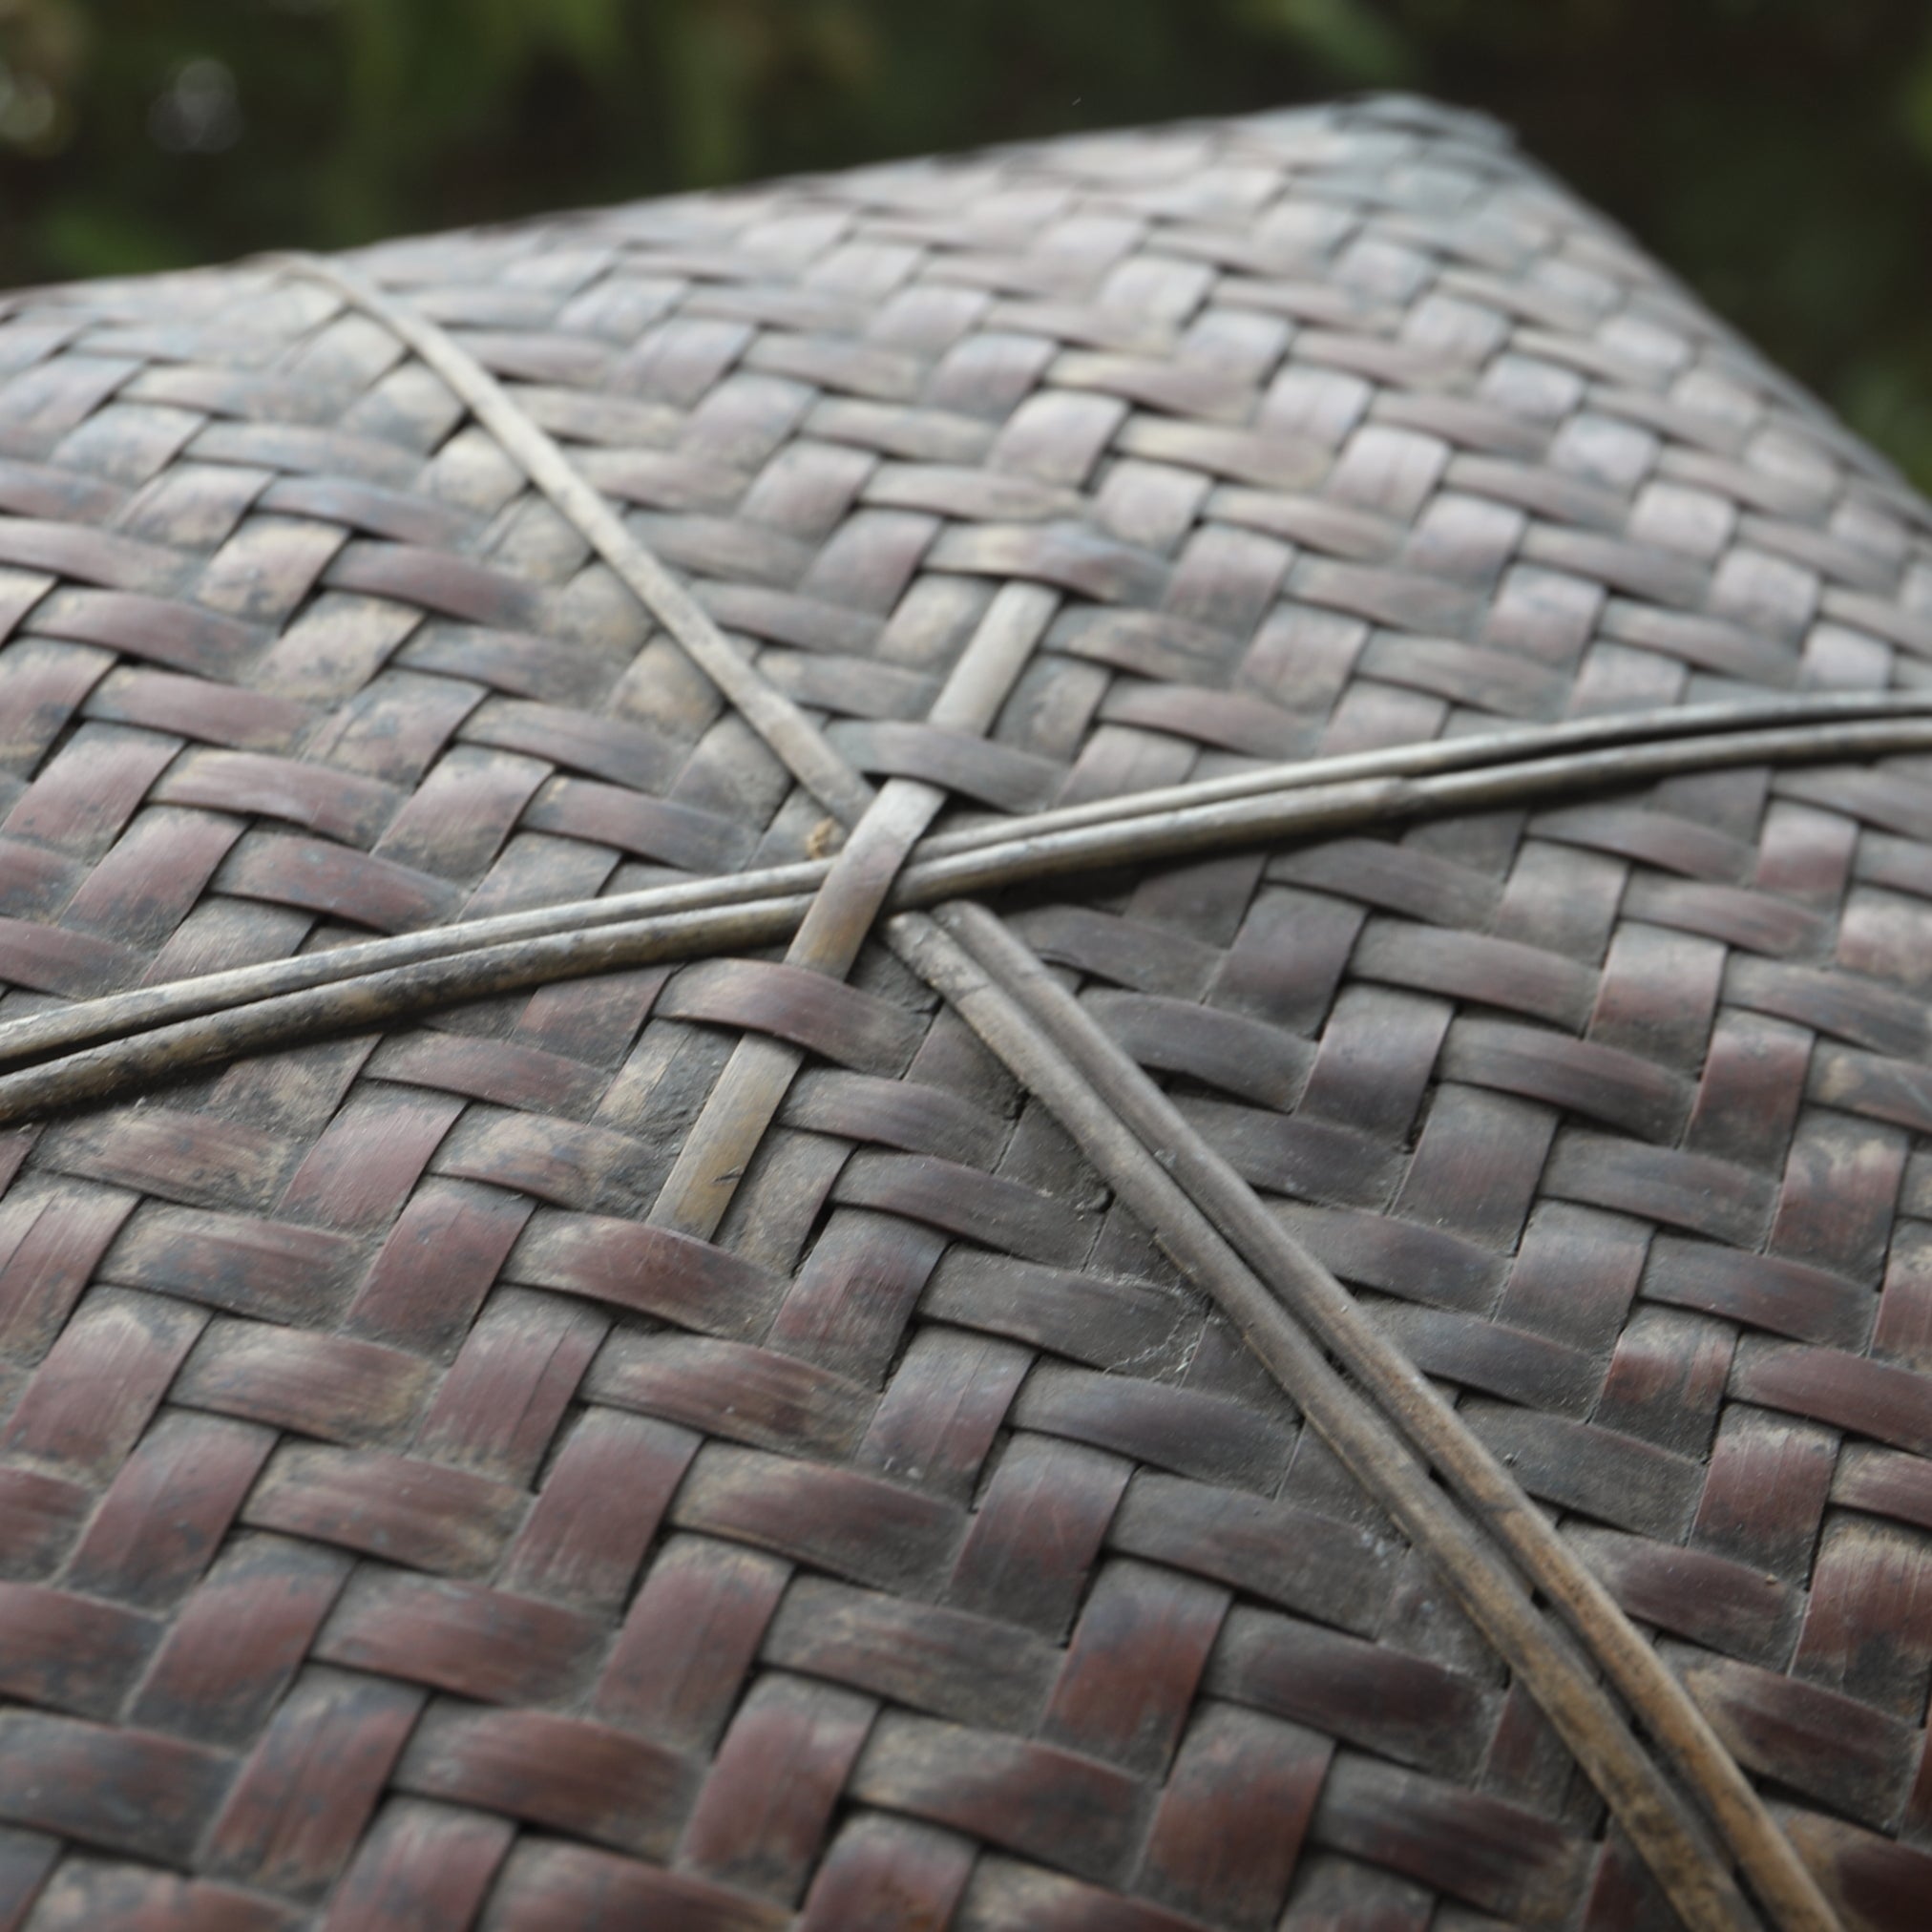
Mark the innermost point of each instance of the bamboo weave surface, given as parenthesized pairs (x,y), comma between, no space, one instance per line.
(406,1525)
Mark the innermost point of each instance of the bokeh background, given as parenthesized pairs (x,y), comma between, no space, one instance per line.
(1777,154)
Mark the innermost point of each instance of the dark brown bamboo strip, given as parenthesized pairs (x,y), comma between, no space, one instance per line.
(753,1087)
(1317,1299)
(1660,1823)
(774,717)
(1179,820)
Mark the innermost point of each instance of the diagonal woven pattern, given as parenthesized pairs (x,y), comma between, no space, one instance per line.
(407,1521)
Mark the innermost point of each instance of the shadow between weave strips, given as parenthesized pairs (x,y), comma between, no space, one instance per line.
(882,1212)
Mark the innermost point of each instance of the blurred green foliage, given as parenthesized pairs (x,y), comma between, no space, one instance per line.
(1777,152)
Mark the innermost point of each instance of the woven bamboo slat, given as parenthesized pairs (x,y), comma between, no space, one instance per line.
(1028,1042)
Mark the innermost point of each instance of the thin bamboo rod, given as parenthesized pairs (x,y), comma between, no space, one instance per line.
(1027,848)
(1404,1395)
(116,1015)
(1666,1832)
(291,1019)
(1478,749)
(796,740)
(1301,813)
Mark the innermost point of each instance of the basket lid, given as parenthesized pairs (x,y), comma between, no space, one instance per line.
(1035,1042)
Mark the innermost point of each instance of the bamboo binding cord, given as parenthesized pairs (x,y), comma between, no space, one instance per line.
(1313,799)
(751,1094)
(977,980)
(124,1039)
(773,716)
(1299,1283)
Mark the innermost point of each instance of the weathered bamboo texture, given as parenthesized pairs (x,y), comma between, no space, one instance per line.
(754,1083)
(576,1392)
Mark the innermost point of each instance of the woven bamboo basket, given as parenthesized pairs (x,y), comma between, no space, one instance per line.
(1037,1042)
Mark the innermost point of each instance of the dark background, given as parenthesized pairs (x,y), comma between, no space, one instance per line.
(1777,154)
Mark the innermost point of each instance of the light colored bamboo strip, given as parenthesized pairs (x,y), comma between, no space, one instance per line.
(748,1093)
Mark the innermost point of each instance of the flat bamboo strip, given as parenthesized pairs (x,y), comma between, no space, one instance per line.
(1665,1830)
(1306,802)
(748,1093)
(797,742)
(1401,1393)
